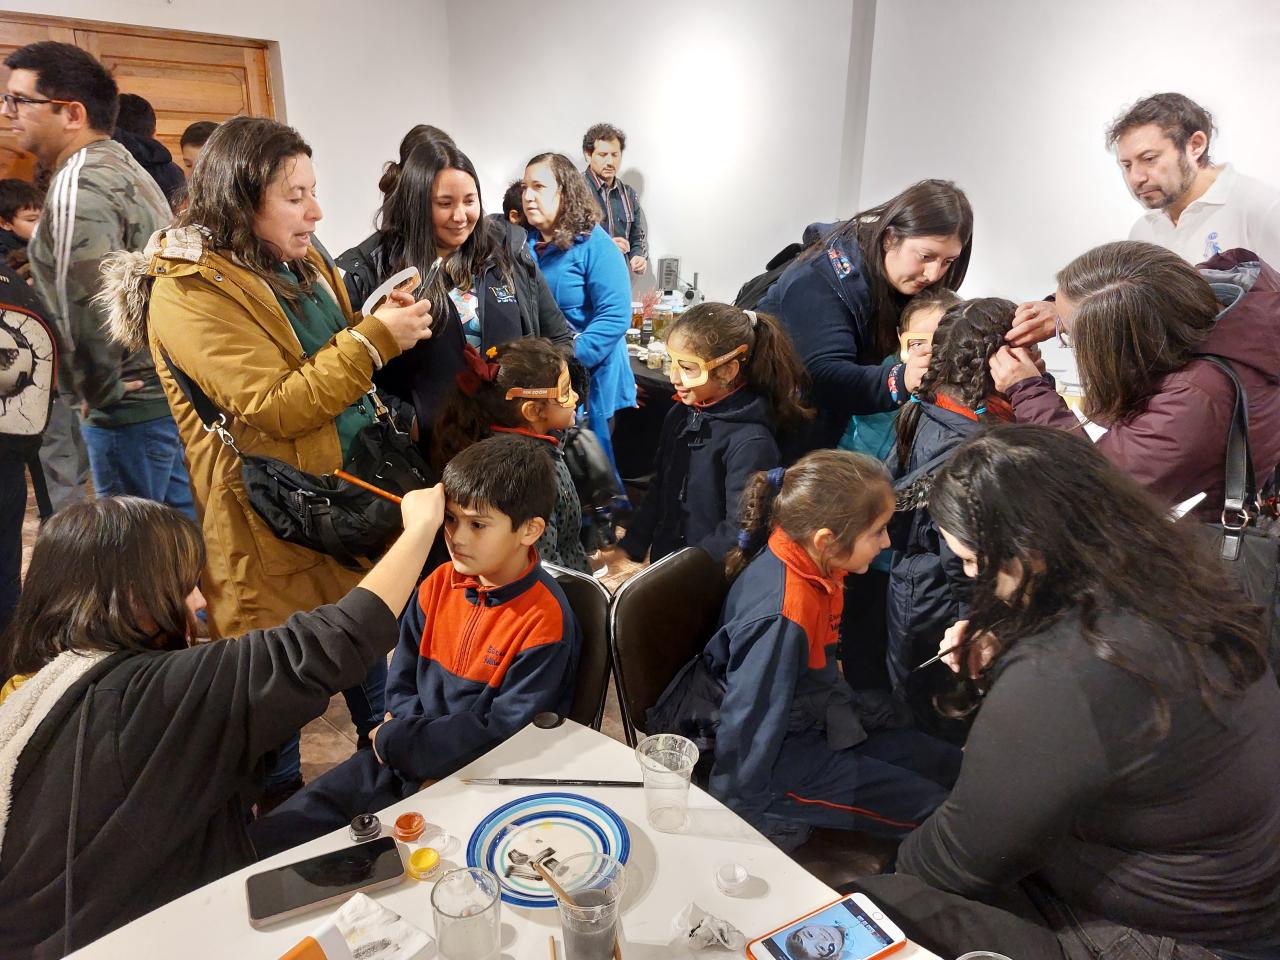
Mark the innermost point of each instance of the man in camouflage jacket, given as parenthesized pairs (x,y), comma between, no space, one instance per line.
(62,105)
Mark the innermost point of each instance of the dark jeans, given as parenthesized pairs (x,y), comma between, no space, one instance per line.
(13,507)
(1025,923)
(142,460)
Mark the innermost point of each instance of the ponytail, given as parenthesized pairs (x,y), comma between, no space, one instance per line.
(771,368)
(837,490)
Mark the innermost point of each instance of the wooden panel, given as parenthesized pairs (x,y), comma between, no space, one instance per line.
(185,76)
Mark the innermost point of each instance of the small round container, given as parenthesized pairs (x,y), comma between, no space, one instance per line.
(409,827)
(732,878)
(423,862)
(365,827)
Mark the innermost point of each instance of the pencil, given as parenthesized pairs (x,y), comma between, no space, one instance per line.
(366,486)
(551,947)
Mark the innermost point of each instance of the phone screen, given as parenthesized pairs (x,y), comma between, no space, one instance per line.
(843,931)
(275,892)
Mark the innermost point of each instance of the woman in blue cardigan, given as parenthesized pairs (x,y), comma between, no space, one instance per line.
(589,279)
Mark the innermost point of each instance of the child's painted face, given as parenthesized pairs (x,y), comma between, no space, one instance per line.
(720,379)
(917,336)
(483,544)
(867,546)
(23,223)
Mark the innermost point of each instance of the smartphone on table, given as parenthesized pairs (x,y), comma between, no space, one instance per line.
(852,928)
(326,880)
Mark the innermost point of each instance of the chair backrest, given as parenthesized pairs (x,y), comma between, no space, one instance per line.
(661,618)
(590,604)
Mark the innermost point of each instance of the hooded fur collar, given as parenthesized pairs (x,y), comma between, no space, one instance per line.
(127,276)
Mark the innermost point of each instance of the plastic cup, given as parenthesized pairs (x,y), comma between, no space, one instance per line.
(666,763)
(466,905)
(593,885)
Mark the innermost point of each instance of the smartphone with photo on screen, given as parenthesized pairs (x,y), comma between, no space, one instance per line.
(852,928)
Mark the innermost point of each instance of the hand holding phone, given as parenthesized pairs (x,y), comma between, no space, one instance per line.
(852,928)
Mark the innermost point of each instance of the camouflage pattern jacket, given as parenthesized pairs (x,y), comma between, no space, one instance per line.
(99,201)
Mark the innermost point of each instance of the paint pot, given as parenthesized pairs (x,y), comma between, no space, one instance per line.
(409,827)
(365,827)
(423,862)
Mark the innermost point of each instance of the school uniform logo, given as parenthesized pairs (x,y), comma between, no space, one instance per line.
(504,294)
(839,262)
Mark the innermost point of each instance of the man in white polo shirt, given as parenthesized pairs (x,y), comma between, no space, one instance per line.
(1195,208)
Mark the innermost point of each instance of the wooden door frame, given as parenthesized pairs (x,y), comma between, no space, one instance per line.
(66,26)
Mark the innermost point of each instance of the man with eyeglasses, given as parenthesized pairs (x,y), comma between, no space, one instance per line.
(61,103)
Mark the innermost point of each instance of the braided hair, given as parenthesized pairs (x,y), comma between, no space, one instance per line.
(968,335)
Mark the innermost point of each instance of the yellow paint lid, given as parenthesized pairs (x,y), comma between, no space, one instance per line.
(422,862)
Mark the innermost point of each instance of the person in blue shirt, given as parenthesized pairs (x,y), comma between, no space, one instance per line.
(588,278)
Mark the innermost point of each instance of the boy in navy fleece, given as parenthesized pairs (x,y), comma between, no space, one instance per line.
(488,643)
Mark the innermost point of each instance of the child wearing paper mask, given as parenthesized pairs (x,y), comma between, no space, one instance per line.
(738,380)
(522,387)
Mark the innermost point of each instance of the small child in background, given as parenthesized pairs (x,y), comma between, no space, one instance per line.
(513,204)
(522,387)
(487,643)
(738,381)
(791,749)
(927,585)
(20,207)
(864,638)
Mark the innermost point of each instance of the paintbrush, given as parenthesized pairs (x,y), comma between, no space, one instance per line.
(350,478)
(559,891)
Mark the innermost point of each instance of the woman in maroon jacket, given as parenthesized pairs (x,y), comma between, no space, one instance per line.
(1137,315)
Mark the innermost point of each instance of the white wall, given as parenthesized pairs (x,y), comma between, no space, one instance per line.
(356,77)
(735,112)
(1012,100)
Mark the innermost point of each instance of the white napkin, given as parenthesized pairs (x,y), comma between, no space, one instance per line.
(695,929)
(363,929)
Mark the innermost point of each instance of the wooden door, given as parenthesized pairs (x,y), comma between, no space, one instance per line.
(185,76)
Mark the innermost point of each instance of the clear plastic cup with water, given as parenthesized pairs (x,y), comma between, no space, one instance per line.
(467,905)
(666,763)
(591,888)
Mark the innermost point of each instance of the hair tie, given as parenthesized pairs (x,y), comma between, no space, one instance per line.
(492,353)
(979,411)
(744,540)
(751,315)
(475,371)
(915,398)
(775,476)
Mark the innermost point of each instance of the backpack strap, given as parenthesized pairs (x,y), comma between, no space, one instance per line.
(1240,503)
(44,505)
(214,420)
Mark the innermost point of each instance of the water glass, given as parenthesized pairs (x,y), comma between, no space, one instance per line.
(666,763)
(591,887)
(466,905)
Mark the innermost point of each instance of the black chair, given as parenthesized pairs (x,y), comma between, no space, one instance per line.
(589,601)
(661,618)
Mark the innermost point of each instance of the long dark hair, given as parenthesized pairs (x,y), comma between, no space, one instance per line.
(1141,312)
(407,230)
(108,574)
(469,414)
(1090,540)
(578,212)
(930,208)
(968,335)
(770,367)
(838,490)
(239,161)
(422,133)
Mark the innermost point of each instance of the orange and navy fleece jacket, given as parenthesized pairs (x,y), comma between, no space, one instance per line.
(773,655)
(473,666)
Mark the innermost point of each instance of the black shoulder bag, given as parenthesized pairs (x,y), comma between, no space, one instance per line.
(1250,556)
(326,513)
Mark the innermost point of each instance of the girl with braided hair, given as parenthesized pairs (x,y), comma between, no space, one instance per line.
(522,387)
(790,747)
(956,396)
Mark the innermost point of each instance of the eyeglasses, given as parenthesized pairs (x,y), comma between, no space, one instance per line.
(1062,333)
(11,102)
(561,393)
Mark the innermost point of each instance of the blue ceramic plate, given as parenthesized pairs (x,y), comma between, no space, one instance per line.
(550,825)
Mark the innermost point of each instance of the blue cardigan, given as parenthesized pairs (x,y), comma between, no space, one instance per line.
(592,286)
